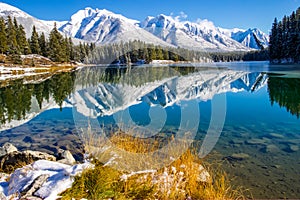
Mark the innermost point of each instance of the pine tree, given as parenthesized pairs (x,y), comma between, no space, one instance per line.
(34,42)
(72,51)
(56,46)
(43,45)
(3,40)
(67,49)
(82,53)
(273,41)
(285,36)
(292,37)
(297,57)
(11,36)
(279,41)
(22,41)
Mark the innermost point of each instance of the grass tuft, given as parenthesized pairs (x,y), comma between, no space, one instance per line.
(184,178)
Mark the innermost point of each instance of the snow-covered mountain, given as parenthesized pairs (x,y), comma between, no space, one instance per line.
(199,36)
(26,20)
(252,38)
(104,27)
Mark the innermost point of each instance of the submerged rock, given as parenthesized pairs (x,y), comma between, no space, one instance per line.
(276,135)
(237,157)
(271,148)
(256,141)
(241,156)
(293,148)
(237,141)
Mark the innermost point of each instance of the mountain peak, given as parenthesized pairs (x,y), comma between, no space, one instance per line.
(8,10)
(105,27)
(7,7)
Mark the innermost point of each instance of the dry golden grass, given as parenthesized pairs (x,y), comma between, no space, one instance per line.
(179,179)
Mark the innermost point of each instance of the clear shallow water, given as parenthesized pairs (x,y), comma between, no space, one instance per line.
(261,104)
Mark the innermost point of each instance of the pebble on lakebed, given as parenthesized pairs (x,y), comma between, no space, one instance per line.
(237,157)
(271,148)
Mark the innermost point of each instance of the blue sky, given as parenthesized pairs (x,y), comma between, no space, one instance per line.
(224,13)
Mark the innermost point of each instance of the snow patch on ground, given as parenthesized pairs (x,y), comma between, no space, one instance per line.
(60,178)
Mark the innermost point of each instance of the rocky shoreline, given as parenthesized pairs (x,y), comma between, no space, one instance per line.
(36,175)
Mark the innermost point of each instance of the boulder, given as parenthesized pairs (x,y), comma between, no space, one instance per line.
(14,160)
(40,155)
(7,148)
(65,157)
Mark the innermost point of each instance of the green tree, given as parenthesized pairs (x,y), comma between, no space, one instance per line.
(72,50)
(56,46)
(11,36)
(273,41)
(292,37)
(34,42)
(22,41)
(43,45)
(3,40)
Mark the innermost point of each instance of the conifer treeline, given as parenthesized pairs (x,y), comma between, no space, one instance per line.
(13,43)
(135,51)
(285,39)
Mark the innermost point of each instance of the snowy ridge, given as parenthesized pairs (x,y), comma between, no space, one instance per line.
(26,20)
(252,38)
(199,36)
(104,27)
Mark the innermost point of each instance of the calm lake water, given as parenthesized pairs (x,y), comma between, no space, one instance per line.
(245,114)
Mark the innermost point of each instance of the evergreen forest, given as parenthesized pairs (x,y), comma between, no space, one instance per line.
(285,39)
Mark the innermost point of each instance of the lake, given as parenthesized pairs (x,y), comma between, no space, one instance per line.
(245,115)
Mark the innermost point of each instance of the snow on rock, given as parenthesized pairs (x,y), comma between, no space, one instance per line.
(7,148)
(26,20)
(60,178)
(199,36)
(124,177)
(105,27)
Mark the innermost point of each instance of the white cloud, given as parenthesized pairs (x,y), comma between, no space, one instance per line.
(180,16)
